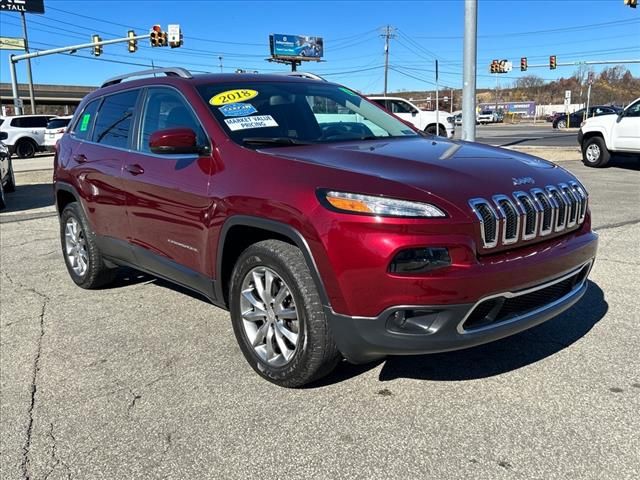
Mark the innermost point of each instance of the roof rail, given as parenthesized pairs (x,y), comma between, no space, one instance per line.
(168,71)
(309,75)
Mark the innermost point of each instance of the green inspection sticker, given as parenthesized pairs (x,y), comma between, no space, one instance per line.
(84,123)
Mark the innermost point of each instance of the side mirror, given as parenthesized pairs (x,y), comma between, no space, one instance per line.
(414,113)
(175,140)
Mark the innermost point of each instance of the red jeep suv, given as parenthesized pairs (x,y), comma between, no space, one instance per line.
(328,227)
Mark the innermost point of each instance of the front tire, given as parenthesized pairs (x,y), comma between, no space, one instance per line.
(81,253)
(595,153)
(277,316)
(431,130)
(561,124)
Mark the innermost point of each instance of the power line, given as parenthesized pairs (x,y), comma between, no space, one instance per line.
(535,32)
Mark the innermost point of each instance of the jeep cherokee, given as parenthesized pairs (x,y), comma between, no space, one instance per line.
(329,228)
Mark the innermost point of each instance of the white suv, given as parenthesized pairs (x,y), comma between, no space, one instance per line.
(25,133)
(7,177)
(601,136)
(422,119)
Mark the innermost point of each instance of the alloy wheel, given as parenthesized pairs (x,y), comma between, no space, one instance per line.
(76,247)
(269,316)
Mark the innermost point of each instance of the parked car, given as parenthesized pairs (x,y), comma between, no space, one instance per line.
(422,119)
(54,131)
(486,116)
(25,133)
(328,227)
(576,118)
(600,136)
(7,177)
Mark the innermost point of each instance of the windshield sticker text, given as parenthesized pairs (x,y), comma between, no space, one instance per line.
(232,96)
(237,110)
(246,123)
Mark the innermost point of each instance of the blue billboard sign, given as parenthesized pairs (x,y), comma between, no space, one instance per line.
(296,46)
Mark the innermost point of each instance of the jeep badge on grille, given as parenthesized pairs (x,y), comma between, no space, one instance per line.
(523,181)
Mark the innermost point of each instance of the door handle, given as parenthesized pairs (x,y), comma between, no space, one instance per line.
(80,158)
(134,169)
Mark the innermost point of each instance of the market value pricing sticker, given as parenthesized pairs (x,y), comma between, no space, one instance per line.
(246,123)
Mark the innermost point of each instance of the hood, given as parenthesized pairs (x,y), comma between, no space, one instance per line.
(440,167)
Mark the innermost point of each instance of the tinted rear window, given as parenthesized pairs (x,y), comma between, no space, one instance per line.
(113,125)
(58,123)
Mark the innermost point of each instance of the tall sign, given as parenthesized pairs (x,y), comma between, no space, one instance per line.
(22,6)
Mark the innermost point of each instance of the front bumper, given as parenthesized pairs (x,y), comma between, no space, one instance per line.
(452,327)
(580,136)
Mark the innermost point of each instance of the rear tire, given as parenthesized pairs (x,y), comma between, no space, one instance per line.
(595,153)
(277,316)
(561,124)
(81,253)
(26,148)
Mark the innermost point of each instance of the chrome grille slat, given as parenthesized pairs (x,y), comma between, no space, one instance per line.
(528,215)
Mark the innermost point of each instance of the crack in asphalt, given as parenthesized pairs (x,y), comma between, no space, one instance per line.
(136,397)
(54,456)
(26,449)
(609,226)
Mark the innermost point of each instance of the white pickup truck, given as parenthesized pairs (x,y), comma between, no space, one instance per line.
(601,136)
(421,119)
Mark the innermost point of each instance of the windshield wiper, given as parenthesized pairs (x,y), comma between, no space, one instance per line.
(274,141)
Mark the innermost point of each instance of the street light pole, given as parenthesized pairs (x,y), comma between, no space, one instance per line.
(469,70)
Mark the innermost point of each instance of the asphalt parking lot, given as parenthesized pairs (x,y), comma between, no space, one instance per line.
(540,134)
(144,380)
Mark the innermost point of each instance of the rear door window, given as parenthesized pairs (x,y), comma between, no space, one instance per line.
(58,123)
(84,125)
(114,119)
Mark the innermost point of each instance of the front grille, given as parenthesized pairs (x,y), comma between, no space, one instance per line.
(512,306)
(528,215)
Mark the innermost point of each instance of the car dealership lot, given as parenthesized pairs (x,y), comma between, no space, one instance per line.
(144,380)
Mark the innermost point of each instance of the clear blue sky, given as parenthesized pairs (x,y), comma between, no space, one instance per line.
(573,30)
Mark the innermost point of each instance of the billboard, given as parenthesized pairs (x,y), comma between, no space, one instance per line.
(296,46)
(24,6)
(526,109)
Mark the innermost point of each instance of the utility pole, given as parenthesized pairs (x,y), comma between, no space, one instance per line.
(26,49)
(388,34)
(451,102)
(496,92)
(469,70)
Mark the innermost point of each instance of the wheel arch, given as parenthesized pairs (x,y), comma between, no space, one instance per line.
(241,231)
(594,133)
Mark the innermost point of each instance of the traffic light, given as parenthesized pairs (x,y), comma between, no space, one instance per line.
(133,43)
(523,64)
(631,3)
(97,49)
(552,62)
(154,36)
(495,66)
(163,40)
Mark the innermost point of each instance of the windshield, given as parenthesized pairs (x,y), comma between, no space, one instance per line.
(295,113)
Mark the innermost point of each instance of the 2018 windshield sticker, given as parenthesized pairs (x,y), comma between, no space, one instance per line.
(246,123)
(237,109)
(84,122)
(232,96)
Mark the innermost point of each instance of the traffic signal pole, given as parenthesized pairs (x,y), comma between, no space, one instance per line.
(594,62)
(29,76)
(14,59)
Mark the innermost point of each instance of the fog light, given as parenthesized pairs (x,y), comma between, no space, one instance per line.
(419,260)
(411,321)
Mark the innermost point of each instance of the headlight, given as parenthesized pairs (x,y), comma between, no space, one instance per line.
(451,119)
(382,206)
